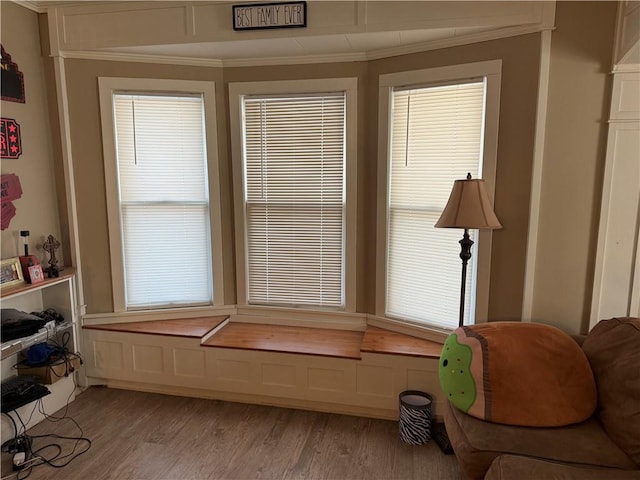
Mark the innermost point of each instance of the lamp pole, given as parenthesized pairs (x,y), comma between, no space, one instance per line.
(465,254)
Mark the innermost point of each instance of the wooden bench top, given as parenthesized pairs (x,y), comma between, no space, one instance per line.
(379,340)
(282,338)
(288,339)
(184,327)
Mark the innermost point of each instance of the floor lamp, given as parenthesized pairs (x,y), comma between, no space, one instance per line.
(469,208)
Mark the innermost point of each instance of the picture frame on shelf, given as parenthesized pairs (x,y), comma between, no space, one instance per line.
(11,273)
(27,261)
(36,275)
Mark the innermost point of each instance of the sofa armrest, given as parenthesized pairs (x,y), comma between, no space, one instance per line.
(508,467)
(579,338)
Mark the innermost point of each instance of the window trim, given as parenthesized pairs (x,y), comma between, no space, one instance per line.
(239,89)
(492,71)
(109,85)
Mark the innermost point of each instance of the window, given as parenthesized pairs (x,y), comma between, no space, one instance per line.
(294,165)
(436,134)
(159,206)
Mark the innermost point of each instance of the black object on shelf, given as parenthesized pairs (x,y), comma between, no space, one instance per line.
(17,324)
(21,390)
(25,241)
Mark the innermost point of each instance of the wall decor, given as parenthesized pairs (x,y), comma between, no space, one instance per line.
(50,246)
(10,190)
(11,272)
(35,274)
(7,211)
(257,16)
(27,261)
(12,79)
(10,141)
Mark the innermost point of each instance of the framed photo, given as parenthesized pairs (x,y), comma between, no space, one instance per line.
(11,272)
(26,261)
(35,274)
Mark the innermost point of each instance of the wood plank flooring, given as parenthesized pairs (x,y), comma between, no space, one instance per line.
(139,435)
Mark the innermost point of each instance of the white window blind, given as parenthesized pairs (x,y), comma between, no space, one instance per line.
(294,163)
(164,205)
(436,138)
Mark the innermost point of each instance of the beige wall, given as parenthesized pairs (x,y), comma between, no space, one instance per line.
(520,63)
(575,151)
(579,93)
(84,115)
(365,215)
(86,145)
(520,57)
(37,210)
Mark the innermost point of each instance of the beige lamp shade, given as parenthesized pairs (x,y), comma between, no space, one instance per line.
(468,207)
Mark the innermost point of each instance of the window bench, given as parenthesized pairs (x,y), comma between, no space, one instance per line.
(340,371)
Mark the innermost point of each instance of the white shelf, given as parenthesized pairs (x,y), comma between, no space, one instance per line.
(59,294)
(11,292)
(12,347)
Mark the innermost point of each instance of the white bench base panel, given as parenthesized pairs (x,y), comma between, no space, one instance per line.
(181,366)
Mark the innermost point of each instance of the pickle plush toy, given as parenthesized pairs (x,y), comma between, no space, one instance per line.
(455,373)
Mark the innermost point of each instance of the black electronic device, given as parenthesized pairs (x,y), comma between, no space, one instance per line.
(17,324)
(21,390)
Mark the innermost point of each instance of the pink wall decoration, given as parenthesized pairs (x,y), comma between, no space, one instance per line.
(10,190)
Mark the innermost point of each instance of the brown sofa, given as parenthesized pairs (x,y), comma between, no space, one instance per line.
(606,446)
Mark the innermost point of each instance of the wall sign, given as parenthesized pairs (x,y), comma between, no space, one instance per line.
(10,190)
(12,86)
(257,16)
(10,143)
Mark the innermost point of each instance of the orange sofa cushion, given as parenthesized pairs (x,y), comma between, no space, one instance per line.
(517,373)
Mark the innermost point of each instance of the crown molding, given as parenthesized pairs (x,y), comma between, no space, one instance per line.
(307,59)
(299,60)
(43,6)
(142,58)
(626,68)
(456,41)
(31,5)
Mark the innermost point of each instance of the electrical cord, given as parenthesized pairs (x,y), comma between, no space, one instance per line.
(59,355)
(36,456)
(19,444)
(24,425)
(78,439)
(22,443)
(54,419)
(15,427)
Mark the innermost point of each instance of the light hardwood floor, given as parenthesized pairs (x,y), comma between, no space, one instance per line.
(138,435)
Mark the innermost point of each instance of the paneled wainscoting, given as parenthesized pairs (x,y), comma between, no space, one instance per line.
(338,371)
